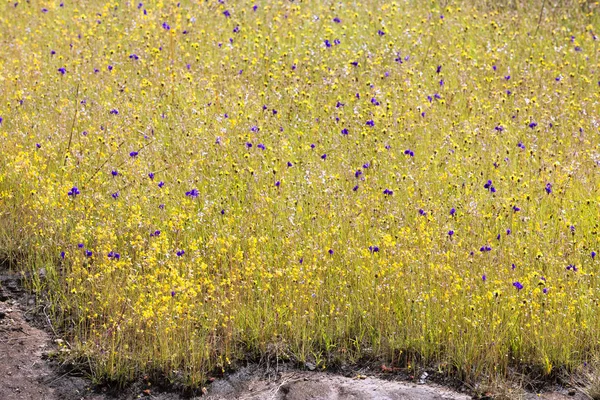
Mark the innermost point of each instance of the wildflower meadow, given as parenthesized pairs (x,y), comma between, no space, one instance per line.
(191,184)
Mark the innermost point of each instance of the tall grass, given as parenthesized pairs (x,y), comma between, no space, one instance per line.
(202,182)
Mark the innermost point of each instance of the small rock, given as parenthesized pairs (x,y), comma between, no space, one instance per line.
(310,366)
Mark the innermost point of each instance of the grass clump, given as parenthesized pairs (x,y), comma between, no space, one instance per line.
(326,181)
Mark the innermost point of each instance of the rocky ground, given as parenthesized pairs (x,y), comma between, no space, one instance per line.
(28,373)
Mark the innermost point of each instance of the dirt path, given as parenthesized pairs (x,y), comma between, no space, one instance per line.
(27,374)
(301,385)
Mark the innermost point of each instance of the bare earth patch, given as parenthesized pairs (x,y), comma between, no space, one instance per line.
(27,374)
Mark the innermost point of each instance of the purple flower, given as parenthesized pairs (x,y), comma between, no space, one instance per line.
(373,249)
(344,131)
(115,195)
(172,293)
(532,125)
(62,255)
(409,152)
(508,232)
(388,192)
(327,43)
(248,145)
(80,245)
(74,191)
(593,254)
(452,211)
(277,184)
(518,285)
(438,69)
(161,184)
(289,164)
(380,32)
(572,267)
(151,175)
(110,67)
(545,290)
(370,122)
(330,251)
(62,70)
(114,111)
(548,188)
(133,154)
(261,146)
(114,172)
(88,253)
(507,77)
(422,212)
(484,278)
(192,193)
(227,14)
(337,20)
(450,233)
(166,26)
(488,184)
(180,253)
(324,156)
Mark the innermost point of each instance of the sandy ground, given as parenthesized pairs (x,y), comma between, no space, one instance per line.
(26,373)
